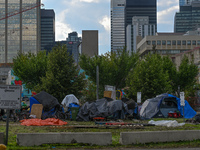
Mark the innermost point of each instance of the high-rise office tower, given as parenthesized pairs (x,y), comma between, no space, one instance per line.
(73,41)
(140,8)
(186,2)
(47,29)
(19,28)
(187,18)
(117,25)
(182,2)
(139,28)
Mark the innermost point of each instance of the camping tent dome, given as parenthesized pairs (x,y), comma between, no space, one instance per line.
(161,105)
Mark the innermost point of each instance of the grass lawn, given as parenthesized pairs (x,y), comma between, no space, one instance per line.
(15,128)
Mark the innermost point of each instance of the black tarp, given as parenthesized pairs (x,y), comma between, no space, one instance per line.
(102,108)
(48,101)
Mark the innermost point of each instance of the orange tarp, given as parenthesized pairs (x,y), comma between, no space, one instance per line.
(40,122)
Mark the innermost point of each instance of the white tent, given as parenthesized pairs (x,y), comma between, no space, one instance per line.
(69,99)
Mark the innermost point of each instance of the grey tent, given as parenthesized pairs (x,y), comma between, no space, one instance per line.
(161,105)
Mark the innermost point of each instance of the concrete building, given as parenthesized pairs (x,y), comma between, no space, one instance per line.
(141,8)
(168,44)
(193,55)
(47,29)
(89,44)
(73,42)
(139,29)
(19,30)
(187,18)
(117,25)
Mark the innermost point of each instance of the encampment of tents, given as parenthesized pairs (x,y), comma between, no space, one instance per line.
(161,105)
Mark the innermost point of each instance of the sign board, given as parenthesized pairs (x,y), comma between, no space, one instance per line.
(10,96)
(109,88)
(182,97)
(37,110)
(138,97)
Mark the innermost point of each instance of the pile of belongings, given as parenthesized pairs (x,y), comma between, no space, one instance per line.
(107,108)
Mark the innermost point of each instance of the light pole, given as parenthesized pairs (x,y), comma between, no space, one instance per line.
(97,81)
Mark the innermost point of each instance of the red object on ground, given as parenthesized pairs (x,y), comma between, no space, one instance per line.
(40,122)
(99,118)
(174,115)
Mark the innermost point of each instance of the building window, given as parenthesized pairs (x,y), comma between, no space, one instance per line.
(173,42)
(188,42)
(163,42)
(158,42)
(193,42)
(153,42)
(168,42)
(198,42)
(178,42)
(183,42)
(148,42)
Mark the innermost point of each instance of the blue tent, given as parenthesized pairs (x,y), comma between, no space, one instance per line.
(188,110)
(161,105)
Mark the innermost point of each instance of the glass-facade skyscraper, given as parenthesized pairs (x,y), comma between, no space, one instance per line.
(182,2)
(47,29)
(141,8)
(188,18)
(20,32)
(73,41)
(117,25)
(186,2)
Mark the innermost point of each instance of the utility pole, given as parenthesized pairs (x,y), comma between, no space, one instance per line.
(97,80)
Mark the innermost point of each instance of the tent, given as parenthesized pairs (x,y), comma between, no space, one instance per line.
(47,100)
(161,105)
(69,99)
(50,103)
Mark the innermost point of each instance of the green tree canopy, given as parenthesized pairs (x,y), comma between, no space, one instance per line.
(30,68)
(186,75)
(62,75)
(149,77)
(113,68)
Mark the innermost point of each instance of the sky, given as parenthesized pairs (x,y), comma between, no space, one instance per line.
(78,15)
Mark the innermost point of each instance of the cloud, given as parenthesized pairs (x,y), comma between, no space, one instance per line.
(162,3)
(43,1)
(105,22)
(62,30)
(165,16)
(90,1)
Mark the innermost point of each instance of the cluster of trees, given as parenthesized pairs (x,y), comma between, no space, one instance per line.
(57,74)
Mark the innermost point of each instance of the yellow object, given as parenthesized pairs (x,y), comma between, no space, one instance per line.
(108,94)
(2,147)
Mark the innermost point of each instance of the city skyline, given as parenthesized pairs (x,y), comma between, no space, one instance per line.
(78,15)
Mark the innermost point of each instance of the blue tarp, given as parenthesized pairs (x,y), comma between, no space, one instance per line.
(188,110)
(34,101)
